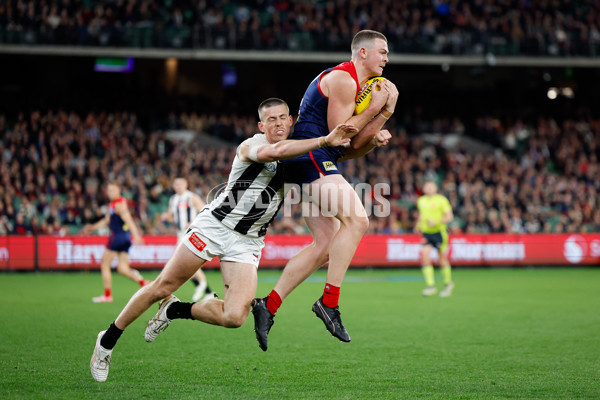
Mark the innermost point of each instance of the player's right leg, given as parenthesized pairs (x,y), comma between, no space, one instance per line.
(427,270)
(298,268)
(107,258)
(180,267)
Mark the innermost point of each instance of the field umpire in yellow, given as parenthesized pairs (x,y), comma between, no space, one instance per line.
(435,212)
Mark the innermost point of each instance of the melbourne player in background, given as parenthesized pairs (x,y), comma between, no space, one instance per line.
(435,213)
(122,228)
(183,207)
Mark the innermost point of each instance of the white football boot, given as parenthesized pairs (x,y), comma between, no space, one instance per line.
(100,360)
(159,322)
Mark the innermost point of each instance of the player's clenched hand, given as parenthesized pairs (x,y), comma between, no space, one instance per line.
(382,138)
(379,96)
(392,98)
(138,240)
(341,134)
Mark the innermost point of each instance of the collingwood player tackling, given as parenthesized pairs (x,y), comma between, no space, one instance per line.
(232,227)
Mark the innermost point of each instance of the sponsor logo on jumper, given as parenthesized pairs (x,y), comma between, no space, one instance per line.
(329,166)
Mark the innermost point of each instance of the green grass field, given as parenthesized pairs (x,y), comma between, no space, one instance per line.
(505,333)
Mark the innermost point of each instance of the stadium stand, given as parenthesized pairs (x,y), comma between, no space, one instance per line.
(542,179)
(456,27)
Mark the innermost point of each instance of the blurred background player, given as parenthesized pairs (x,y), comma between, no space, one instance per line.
(435,212)
(122,228)
(183,207)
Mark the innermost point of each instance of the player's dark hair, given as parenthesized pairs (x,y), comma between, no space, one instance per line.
(270,102)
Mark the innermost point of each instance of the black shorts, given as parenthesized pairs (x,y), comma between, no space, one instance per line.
(439,240)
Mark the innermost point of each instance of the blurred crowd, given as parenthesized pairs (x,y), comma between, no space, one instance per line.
(532,27)
(53,167)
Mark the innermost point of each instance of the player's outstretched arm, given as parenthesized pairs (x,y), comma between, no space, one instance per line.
(382,138)
(89,228)
(293,148)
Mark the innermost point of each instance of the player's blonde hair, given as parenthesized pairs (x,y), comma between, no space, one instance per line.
(362,38)
(271,102)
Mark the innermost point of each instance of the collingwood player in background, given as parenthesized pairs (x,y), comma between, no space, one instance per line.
(183,208)
(232,227)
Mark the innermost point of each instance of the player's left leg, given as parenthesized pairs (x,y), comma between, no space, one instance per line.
(180,267)
(124,268)
(445,267)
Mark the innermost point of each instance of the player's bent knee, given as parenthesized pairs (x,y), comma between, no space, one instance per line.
(361,223)
(235,318)
(159,289)
(123,270)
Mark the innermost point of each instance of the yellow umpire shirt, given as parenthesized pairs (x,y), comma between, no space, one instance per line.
(432,208)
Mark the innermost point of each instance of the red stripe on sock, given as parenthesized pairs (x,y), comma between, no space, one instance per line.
(273,302)
(331,295)
(107,292)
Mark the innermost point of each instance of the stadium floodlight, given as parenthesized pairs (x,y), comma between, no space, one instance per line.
(552,93)
(567,92)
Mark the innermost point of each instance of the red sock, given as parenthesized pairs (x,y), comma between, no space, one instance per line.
(142,282)
(331,295)
(273,302)
(107,292)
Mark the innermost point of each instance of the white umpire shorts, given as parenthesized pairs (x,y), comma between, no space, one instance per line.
(207,238)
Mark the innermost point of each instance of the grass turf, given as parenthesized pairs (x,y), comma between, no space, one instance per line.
(505,333)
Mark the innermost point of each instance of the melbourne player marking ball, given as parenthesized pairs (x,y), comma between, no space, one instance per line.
(363,99)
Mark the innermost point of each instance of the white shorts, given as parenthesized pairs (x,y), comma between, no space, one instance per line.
(207,237)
